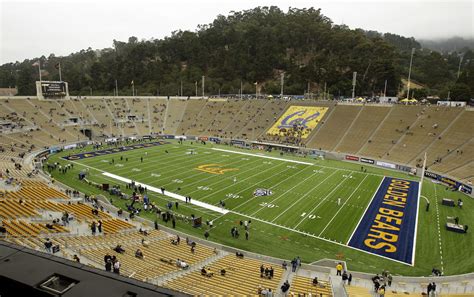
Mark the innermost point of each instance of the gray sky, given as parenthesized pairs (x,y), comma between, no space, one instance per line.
(33,28)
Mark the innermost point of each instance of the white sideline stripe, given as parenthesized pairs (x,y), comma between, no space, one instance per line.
(262,156)
(169,194)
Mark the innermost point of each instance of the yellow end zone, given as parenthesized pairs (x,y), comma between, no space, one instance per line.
(306,116)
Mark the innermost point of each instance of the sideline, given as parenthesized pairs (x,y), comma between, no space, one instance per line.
(169,194)
(262,156)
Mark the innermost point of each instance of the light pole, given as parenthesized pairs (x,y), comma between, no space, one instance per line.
(409,72)
(282,76)
(203,86)
(354,79)
(459,67)
(240,89)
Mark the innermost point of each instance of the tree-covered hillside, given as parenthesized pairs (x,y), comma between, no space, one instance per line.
(251,46)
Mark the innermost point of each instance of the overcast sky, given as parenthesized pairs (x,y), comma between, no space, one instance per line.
(33,28)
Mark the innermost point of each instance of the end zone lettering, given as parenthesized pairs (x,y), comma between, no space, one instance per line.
(388,225)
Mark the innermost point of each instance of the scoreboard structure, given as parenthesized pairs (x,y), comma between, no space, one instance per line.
(52,90)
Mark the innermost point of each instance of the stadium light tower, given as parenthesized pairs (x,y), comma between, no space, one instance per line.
(409,72)
(203,86)
(282,76)
(354,79)
(459,67)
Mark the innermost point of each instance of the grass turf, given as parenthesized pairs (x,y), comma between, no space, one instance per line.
(302,209)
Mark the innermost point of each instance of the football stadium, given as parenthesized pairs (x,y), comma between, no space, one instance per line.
(236,194)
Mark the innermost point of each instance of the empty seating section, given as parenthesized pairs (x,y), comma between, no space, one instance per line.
(12,170)
(334,127)
(455,159)
(139,109)
(457,134)
(110,240)
(12,209)
(204,118)
(189,117)
(226,117)
(246,113)
(159,257)
(157,114)
(390,131)
(303,286)
(83,112)
(40,114)
(35,191)
(242,277)
(23,228)
(464,173)
(174,113)
(101,113)
(368,120)
(265,119)
(429,125)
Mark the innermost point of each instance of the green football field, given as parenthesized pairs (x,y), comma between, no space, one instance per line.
(312,210)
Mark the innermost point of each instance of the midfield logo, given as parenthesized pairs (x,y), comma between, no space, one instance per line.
(214,168)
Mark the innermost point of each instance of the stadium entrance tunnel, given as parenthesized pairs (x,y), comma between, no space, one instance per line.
(87,133)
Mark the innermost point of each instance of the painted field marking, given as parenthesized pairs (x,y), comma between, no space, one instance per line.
(324,199)
(288,190)
(439,230)
(262,156)
(294,203)
(340,208)
(169,194)
(366,208)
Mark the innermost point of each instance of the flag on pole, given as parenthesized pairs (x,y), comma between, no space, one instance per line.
(255,83)
(37,63)
(131,82)
(57,66)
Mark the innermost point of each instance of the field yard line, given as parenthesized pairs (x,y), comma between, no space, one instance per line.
(368,204)
(169,162)
(293,204)
(237,162)
(220,190)
(324,199)
(279,196)
(335,215)
(251,199)
(262,156)
(169,194)
(439,230)
(238,174)
(313,236)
